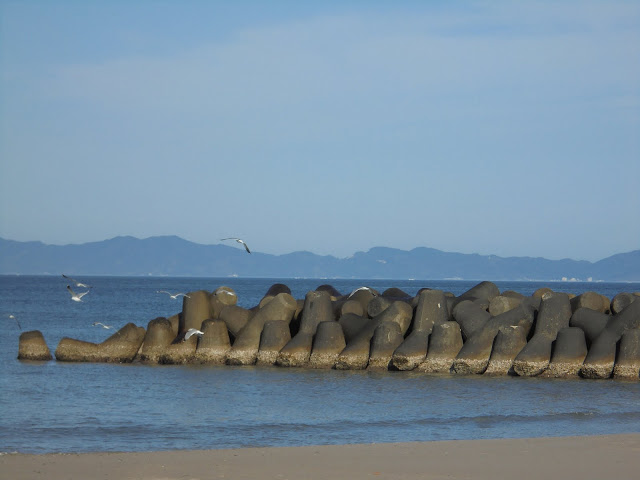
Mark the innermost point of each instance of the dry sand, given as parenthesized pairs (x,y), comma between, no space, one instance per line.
(592,457)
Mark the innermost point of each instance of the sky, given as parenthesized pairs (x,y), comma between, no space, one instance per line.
(497,127)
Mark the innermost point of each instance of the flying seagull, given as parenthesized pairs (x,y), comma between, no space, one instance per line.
(95,324)
(76,283)
(191,332)
(19,326)
(361,288)
(172,295)
(239,240)
(76,297)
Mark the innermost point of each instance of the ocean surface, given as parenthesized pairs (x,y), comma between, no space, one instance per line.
(82,407)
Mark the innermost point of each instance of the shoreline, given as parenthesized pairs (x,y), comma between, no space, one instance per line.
(584,457)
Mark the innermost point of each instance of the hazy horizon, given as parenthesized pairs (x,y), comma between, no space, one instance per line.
(496,128)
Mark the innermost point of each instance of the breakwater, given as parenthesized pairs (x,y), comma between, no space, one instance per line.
(481,331)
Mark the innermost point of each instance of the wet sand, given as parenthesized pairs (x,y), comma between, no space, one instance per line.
(590,457)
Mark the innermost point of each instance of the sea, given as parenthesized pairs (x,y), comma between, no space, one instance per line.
(48,407)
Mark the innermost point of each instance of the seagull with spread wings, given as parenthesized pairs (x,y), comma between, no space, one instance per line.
(76,297)
(76,282)
(239,240)
(174,295)
(191,332)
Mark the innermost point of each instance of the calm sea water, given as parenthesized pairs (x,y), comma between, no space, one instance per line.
(64,407)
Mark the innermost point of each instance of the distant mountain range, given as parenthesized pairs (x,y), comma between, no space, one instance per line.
(174,256)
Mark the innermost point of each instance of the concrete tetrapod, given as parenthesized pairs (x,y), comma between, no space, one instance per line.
(474,355)
(328,343)
(431,310)
(236,318)
(386,339)
(195,310)
(355,356)
(444,344)
(591,322)
(591,300)
(244,350)
(601,357)
(622,301)
(554,315)
(158,337)
(628,362)
(317,308)
(275,335)
(213,346)
(502,304)
(508,343)
(569,352)
(31,346)
(471,317)
(485,291)
(121,347)
(352,324)
(218,299)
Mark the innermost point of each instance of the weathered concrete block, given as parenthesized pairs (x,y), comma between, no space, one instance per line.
(363,296)
(213,346)
(622,301)
(431,309)
(377,305)
(195,310)
(328,343)
(244,350)
(591,300)
(31,346)
(121,347)
(353,307)
(412,352)
(482,291)
(628,362)
(590,321)
(317,309)
(218,299)
(297,351)
(275,336)
(445,342)
(158,337)
(235,317)
(386,339)
(474,355)
(554,315)
(356,354)
(601,357)
(331,290)
(503,303)
(569,352)
(541,292)
(352,324)
(508,343)
(471,317)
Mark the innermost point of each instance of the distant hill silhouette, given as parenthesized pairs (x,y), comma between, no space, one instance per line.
(174,256)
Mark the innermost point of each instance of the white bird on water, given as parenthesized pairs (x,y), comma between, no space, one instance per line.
(174,295)
(191,332)
(76,283)
(76,297)
(95,324)
(239,240)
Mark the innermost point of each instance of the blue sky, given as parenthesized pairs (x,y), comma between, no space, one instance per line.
(506,128)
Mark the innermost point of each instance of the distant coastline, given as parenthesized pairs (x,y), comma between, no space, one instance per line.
(174,256)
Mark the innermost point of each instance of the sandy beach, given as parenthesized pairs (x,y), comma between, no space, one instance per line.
(590,457)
